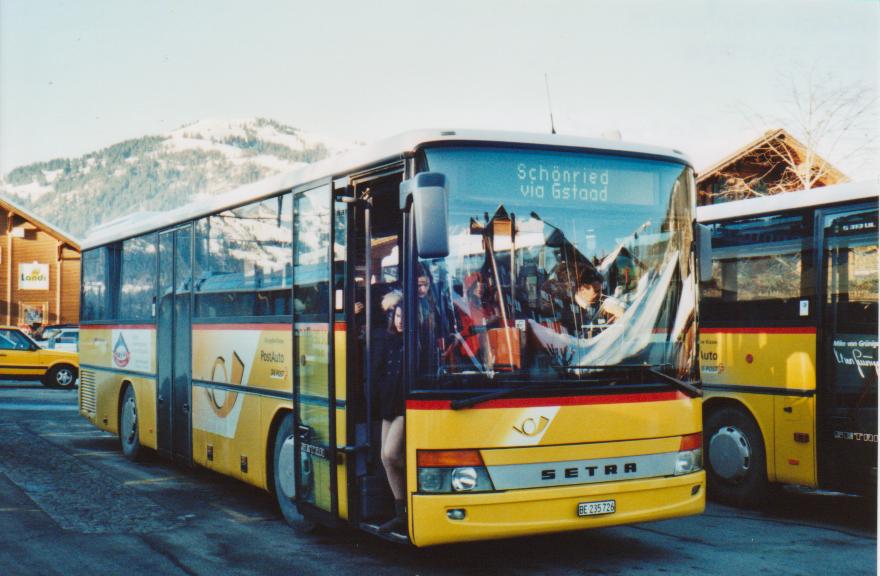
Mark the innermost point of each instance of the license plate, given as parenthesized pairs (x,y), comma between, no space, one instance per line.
(597,508)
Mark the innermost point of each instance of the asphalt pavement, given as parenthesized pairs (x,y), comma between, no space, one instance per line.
(71,504)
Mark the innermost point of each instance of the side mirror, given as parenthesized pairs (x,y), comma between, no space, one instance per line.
(703,238)
(430,207)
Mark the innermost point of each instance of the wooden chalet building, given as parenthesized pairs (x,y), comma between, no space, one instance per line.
(772,163)
(39,270)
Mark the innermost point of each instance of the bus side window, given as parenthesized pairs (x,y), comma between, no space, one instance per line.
(760,269)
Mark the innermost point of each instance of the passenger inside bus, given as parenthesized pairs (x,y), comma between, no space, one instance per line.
(433,325)
(475,313)
(591,311)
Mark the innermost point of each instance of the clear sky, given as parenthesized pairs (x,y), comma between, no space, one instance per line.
(78,75)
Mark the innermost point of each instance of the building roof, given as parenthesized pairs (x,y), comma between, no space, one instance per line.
(351,162)
(50,229)
(778,134)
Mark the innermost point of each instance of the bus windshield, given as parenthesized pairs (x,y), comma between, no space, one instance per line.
(563,265)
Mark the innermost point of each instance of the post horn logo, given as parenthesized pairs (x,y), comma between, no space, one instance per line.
(222,401)
(532,426)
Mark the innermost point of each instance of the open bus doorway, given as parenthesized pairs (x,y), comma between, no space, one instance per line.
(376,348)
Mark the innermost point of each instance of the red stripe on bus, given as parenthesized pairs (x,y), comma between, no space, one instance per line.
(117,327)
(242,326)
(553,401)
(338,326)
(773,330)
(321,326)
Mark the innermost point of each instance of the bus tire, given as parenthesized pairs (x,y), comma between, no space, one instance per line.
(736,462)
(284,479)
(61,376)
(129,437)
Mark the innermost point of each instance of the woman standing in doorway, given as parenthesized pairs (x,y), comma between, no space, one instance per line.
(389,375)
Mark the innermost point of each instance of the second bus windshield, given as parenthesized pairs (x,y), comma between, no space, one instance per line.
(559,262)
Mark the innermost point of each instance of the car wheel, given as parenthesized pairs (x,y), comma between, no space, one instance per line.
(736,462)
(62,376)
(129,438)
(285,476)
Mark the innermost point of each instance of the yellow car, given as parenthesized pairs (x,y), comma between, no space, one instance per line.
(22,359)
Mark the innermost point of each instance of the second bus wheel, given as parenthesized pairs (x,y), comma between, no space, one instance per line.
(736,462)
(284,476)
(129,438)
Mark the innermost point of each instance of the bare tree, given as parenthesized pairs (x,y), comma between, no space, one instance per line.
(822,118)
(839,120)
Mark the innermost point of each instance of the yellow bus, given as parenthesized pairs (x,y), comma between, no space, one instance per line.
(249,333)
(788,343)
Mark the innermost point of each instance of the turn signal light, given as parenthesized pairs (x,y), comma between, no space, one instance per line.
(690,454)
(448,458)
(691,442)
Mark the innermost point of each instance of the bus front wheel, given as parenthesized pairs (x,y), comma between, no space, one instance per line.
(129,437)
(736,459)
(285,477)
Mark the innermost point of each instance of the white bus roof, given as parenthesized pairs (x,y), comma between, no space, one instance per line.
(350,162)
(790,201)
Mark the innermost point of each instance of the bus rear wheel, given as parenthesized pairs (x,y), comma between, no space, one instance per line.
(129,438)
(736,462)
(284,476)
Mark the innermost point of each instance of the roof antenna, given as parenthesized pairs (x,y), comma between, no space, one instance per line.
(549,104)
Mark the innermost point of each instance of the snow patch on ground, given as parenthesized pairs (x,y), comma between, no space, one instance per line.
(31,191)
(51,175)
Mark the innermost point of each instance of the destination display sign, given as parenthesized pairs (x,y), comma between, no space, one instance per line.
(580,181)
(559,180)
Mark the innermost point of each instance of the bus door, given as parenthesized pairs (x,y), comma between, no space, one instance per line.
(314,394)
(173,335)
(373,291)
(847,400)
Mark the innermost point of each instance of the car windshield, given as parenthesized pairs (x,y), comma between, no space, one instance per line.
(561,264)
(14,340)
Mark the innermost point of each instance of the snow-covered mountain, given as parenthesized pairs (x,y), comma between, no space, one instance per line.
(160,172)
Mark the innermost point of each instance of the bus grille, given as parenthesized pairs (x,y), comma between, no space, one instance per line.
(87,392)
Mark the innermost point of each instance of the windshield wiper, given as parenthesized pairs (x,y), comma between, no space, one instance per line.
(543,384)
(686,387)
(480,398)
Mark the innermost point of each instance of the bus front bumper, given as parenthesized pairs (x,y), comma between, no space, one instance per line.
(529,512)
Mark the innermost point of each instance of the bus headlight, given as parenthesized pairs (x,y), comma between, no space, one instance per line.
(464,479)
(690,454)
(445,471)
(431,479)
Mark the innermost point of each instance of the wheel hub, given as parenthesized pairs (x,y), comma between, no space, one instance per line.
(130,423)
(64,377)
(730,454)
(285,468)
